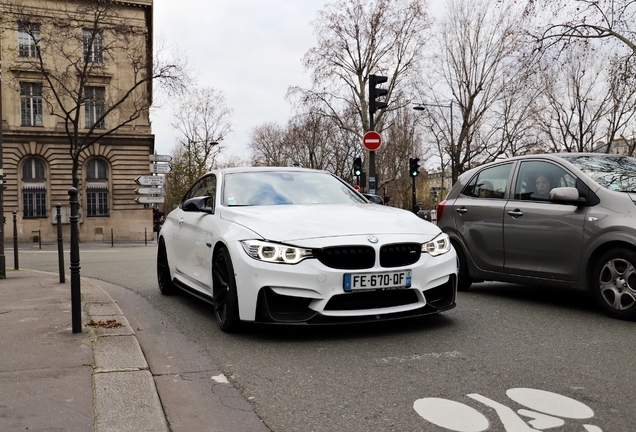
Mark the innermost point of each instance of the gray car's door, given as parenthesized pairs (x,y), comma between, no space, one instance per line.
(479,212)
(542,238)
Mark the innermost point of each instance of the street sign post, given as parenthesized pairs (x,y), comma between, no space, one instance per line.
(160,158)
(150,199)
(150,191)
(372,140)
(160,168)
(149,180)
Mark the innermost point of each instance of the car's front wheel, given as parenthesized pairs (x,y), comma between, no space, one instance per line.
(163,271)
(464,281)
(614,283)
(224,292)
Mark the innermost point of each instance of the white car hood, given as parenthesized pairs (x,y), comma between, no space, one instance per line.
(297,222)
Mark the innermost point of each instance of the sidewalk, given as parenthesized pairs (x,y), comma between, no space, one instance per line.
(53,379)
(99,379)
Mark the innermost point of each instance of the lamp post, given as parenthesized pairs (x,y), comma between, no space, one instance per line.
(422,107)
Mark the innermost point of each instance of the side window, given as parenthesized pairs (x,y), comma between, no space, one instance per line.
(537,178)
(489,183)
(204,187)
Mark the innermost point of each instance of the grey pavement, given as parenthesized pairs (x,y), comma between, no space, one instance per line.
(103,379)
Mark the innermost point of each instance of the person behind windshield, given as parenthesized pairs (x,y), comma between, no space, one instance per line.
(544,186)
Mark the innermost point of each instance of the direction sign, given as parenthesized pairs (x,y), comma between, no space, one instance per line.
(149,180)
(160,158)
(159,168)
(372,140)
(150,199)
(150,191)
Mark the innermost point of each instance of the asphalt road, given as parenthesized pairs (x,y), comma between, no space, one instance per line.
(507,358)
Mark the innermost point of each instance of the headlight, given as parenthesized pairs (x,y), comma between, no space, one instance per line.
(274,252)
(438,246)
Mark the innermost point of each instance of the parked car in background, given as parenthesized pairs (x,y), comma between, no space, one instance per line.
(557,219)
(299,246)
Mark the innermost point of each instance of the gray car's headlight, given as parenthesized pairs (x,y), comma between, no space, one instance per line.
(438,246)
(275,252)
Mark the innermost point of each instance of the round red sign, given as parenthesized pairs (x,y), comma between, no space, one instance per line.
(372,140)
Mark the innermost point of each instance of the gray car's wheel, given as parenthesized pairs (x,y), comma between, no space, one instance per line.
(464,281)
(163,271)
(614,283)
(224,292)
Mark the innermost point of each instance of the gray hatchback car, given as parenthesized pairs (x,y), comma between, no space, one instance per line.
(556,219)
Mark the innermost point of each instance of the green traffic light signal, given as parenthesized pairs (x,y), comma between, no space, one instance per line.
(357,166)
(414,167)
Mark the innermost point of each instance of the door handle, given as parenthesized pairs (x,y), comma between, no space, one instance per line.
(180,221)
(462,210)
(515,213)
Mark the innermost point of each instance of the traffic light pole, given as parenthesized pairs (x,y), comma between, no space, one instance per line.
(413,195)
(374,105)
(372,180)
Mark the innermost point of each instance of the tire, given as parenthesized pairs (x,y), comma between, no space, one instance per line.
(614,283)
(164,279)
(224,292)
(464,281)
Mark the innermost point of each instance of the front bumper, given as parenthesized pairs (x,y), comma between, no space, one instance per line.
(312,293)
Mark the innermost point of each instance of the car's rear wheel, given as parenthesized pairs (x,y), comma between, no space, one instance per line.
(614,283)
(224,292)
(163,271)
(464,281)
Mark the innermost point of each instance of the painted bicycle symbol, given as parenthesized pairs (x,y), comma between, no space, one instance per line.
(546,410)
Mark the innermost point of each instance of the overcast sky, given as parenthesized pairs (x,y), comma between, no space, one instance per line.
(249,49)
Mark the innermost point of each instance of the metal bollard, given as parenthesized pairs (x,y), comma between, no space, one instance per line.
(146,236)
(15,241)
(112,238)
(76,304)
(40,239)
(60,245)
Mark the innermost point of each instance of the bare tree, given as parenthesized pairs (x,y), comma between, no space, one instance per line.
(575,101)
(72,57)
(204,120)
(357,38)
(565,20)
(478,63)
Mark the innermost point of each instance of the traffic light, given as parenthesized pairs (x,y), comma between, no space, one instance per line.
(374,93)
(414,167)
(357,167)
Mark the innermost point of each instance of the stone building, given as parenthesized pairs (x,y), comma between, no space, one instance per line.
(60,43)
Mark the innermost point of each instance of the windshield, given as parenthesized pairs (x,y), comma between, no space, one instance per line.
(285,187)
(613,172)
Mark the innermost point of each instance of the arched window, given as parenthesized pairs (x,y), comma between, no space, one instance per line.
(33,189)
(96,188)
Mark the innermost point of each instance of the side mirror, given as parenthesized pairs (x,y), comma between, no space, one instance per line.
(198,204)
(566,194)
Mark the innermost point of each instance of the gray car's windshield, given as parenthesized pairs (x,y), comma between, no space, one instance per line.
(286,187)
(616,173)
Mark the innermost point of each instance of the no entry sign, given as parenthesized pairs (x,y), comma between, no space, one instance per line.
(372,140)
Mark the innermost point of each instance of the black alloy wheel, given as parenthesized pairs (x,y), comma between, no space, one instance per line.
(614,283)
(224,292)
(163,271)
(464,280)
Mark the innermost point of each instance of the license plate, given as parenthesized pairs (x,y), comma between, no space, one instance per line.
(372,281)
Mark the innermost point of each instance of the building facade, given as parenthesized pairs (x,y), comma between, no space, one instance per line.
(72,97)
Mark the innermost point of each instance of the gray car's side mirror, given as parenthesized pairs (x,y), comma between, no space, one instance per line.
(565,194)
